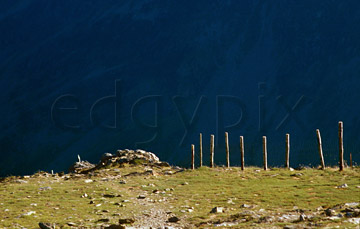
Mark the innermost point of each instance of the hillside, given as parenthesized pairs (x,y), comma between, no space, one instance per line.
(126,189)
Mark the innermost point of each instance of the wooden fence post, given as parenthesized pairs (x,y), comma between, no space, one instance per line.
(351,165)
(265,152)
(242,152)
(341,146)
(287,151)
(320,149)
(192,157)
(227,149)
(212,151)
(200,150)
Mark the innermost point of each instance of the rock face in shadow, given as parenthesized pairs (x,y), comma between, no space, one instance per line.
(292,65)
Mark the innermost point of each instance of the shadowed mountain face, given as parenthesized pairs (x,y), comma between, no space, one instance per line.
(92,77)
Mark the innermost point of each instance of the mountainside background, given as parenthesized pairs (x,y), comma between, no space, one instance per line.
(88,77)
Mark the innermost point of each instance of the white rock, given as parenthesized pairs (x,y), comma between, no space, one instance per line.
(342,186)
(217,210)
(352,205)
(88,181)
(354,220)
(30,213)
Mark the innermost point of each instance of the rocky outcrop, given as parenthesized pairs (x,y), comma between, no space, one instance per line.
(126,156)
(80,166)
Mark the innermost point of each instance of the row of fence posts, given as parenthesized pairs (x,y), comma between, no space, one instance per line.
(264,144)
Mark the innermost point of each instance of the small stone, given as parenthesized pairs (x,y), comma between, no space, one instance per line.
(109,195)
(71,224)
(173,219)
(184,183)
(115,226)
(98,205)
(88,181)
(103,220)
(302,217)
(246,206)
(190,210)
(351,205)
(29,213)
(291,169)
(330,212)
(46,226)
(122,182)
(126,221)
(217,210)
(126,201)
(141,197)
(45,188)
(21,181)
(342,186)
(91,202)
(84,195)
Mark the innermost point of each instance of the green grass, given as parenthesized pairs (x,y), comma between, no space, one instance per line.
(276,191)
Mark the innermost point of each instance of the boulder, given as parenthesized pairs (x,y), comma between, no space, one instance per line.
(135,156)
(81,166)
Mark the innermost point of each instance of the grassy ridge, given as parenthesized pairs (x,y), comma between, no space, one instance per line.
(275,191)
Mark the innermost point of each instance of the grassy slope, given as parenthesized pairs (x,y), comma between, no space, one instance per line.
(276,191)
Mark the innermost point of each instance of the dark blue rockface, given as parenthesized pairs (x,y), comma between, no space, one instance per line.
(251,68)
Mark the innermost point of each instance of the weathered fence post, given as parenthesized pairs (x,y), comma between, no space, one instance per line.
(192,157)
(320,149)
(351,165)
(200,150)
(287,151)
(227,149)
(242,152)
(212,151)
(341,146)
(265,152)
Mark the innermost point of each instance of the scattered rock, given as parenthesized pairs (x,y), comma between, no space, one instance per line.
(184,183)
(45,188)
(21,181)
(29,213)
(267,219)
(84,195)
(122,182)
(246,206)
(88,181)
(141,197)
(354,221)
(71,224)
(302,217)
(173,219)
(126,221)
(103,221)
(342,186)
(330,212)
(217,210)
(297,175)
(109,195)
(351,205)
(114,226)
(46,226)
